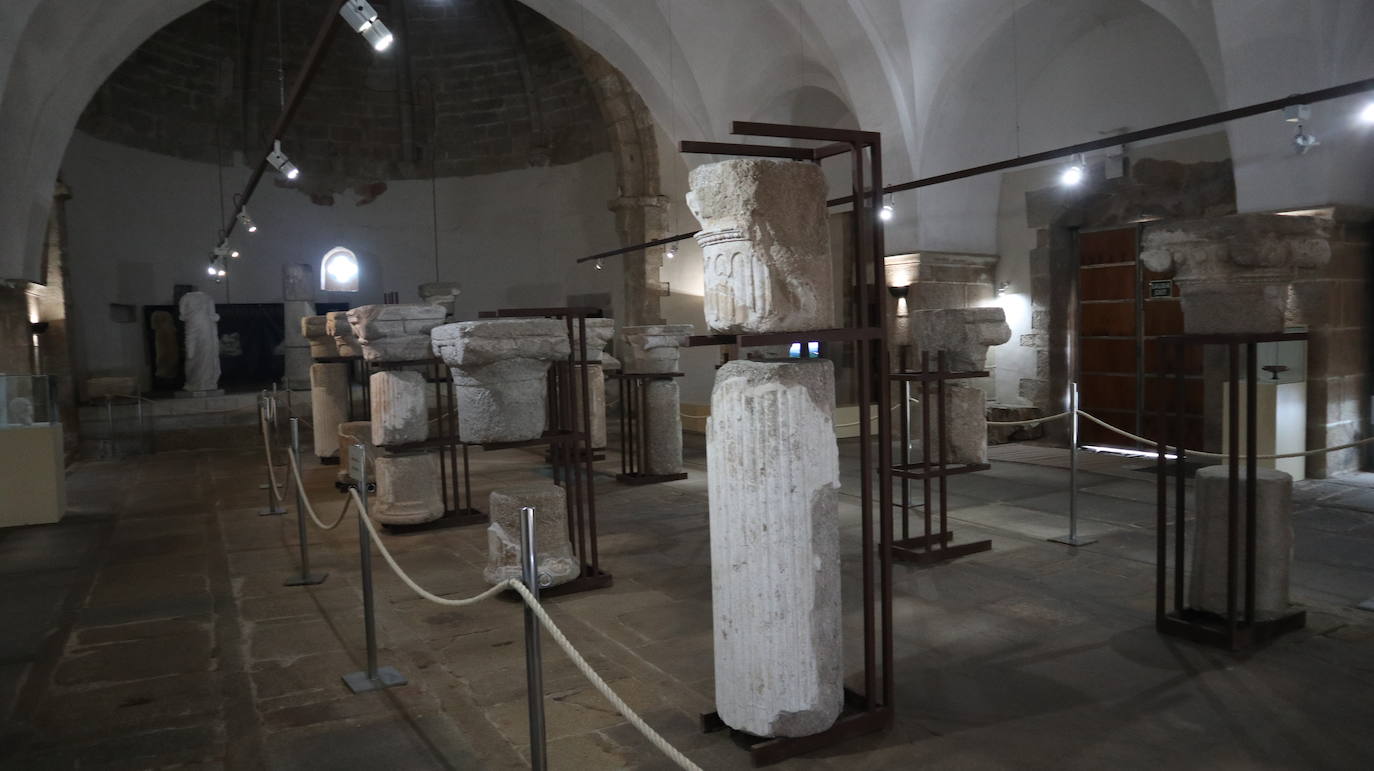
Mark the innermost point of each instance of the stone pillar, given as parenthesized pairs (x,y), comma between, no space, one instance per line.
(554,559)
(395,332)
(498,368)
(329,393)
(599,332)
(1273,541)
(351,433)
(658,348)
(345,341)
(765,245)
(400,410)
(964,335)
(774,478)
(315,330)
(298,302)
(408,490)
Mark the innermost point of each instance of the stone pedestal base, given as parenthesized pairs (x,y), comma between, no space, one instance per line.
(1273,541)
(775,561)
(554,558)
(965,418)
(408,489)
(329,395)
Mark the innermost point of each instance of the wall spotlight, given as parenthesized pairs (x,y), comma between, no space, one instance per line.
(899,291)
(887,210)
(281,163)
(1367,114)
(247,221)
(362,17)
(1073,173)
(599,265)
(671,253)
(1002,288)
(1302,141)
(225,250)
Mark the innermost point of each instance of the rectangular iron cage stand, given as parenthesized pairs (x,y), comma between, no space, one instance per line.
(1238,629)
(456,494)
(568,409)
(634,427)
(934,544)
(870,709)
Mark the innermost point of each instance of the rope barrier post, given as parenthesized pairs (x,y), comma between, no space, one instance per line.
(374,678)
(306,578)
(534,675)
(274,508)
(1073,538)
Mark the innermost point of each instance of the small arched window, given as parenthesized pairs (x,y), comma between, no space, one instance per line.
(339,271)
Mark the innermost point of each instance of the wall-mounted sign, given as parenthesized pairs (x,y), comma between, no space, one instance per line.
(1163,288)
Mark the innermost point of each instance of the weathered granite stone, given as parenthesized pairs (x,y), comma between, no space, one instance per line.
(443,294)
(1007,413)
(966,419)
(498,368)
(298,281)
(345,341)
(395,332)
(1234,272)
(315,330)
(351,433)
(201,336)
(407,348)
(964,334)
(296,348)
(1273,541)
(599,333)
(554,559)
(20,411)
(654,348)
(400,411)
(329,396)
(407,489)
(765,245)
(773,470)
(662,427)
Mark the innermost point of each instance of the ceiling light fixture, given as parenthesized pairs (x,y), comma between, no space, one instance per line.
(1367,114)
(281,163)
(247,221)
(1302,141)
(1072,174)
(362,17)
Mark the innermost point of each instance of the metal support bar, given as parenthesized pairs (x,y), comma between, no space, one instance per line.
(373,678)
(1073,538)
(306,578)
(534,674)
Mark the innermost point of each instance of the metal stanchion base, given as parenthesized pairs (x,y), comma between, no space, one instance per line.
(307,580)
(1072,540)
(387,677)
(275,511)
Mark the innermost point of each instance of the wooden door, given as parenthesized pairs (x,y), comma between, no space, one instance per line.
(1119,358)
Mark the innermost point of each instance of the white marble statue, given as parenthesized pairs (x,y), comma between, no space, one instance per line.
(202,341)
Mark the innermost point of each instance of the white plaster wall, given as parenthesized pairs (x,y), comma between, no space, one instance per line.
(139,222)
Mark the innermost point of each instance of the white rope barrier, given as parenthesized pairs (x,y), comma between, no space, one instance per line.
(267,449)
(305,499)
(1031,422)
(596,680)
(1222,456)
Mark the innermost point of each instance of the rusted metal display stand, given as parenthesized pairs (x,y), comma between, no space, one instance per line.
(1237,629)
(634,428)
(934,544)
(456,494)
(569,449)
(870,709)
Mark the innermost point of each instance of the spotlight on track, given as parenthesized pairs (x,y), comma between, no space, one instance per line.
(225,250)
(362,17)
(1303,141)
(281,163)
(247,221)
(1367,114)
(599,265)
(1072,174)
(886,212)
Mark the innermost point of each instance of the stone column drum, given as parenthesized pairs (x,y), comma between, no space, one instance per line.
(1273,541)
(774,478)
(765,245)
(964,335)
(351,433)
(315,330)
(554,559)
(400,410)
(408,491)
(345,341)
(498,368)
(395,332)
(658,348)
(599,333)
(329,395)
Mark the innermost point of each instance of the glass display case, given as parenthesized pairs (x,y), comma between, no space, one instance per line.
(28,400)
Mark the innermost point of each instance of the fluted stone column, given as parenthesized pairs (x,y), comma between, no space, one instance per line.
(765,245)
(554,559)
(651,349)
(329,392)
(1273,541)
(773,471)
(395,332)
(498,368)
(400,410)
(599,333)
(964,335)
